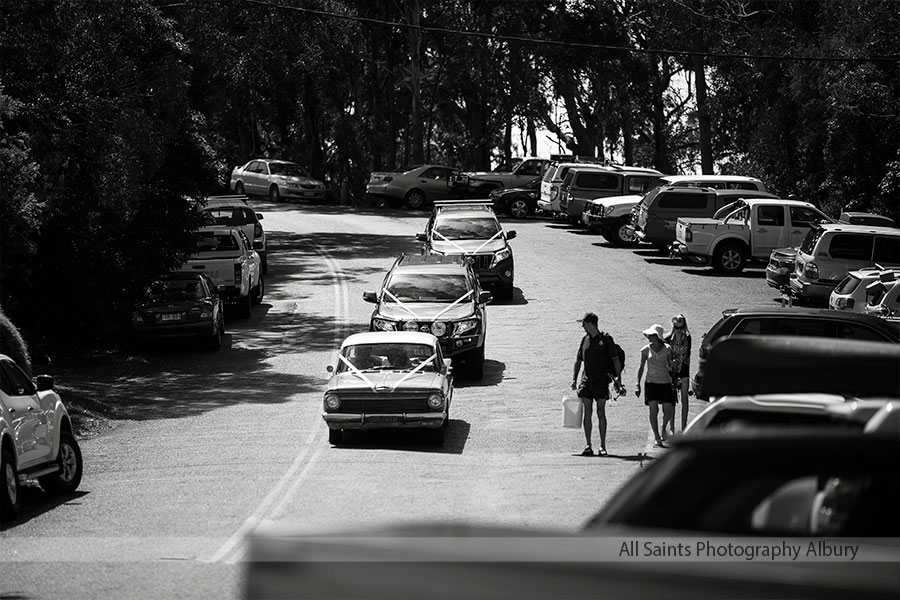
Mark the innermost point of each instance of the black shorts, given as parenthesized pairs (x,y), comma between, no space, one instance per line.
(658,392)
(597,391)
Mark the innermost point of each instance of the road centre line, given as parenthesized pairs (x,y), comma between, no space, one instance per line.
(288,484)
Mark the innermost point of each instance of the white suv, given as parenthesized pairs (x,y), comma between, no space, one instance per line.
(36,437)
(233,211)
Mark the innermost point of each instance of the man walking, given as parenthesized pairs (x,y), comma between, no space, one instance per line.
(598,354)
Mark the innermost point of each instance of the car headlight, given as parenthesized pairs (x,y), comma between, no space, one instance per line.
(410,326)
(332,401)
(291,184)
(206,311)
(502,255)
(465,326)
(384,325)
(438,328)
(435,400)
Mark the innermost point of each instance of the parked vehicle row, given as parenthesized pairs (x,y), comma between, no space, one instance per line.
(277,180)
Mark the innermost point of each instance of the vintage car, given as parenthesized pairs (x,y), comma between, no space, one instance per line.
(36,438)
(277,179)
(233,211)
(518,202)
(471,228)
(414,188)
(397,379)
(822,323)
(180,305)
(437,294)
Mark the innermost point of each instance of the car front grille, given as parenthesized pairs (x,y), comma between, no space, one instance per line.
(481,261)
(385,402)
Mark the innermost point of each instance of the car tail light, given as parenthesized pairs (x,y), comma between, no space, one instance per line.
(811,271)
(238,274)
(388,179)
(688,235)
(257,231)
(554,192)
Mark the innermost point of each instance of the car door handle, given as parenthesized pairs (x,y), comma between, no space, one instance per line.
(762,230)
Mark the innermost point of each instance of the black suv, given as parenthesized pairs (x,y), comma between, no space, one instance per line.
(471,228)
(437,294)
(792,321)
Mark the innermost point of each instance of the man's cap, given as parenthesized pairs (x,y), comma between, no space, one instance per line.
(589,316)
(655,329)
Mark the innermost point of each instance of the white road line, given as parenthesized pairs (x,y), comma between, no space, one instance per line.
(279,496)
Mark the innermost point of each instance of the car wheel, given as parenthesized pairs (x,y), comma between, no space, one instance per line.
(67,479)
(415,200)
(257,292)
(9,502)
(729,258)
(264,262)
(335,436)
(215,340)
(619,236)
(274,194)
(239,188)
(519,209)
(244,303)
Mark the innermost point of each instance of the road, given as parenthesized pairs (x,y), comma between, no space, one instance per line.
(208,448)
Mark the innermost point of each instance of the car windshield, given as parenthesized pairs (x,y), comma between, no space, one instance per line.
(228,216)
(225,242)
(467,229)
(173,289)
(388,357)
(418,287)
(287,169)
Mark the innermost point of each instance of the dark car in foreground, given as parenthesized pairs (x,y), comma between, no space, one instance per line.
(180,305)
(810,322)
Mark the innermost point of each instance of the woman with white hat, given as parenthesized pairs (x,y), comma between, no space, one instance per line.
(657,356)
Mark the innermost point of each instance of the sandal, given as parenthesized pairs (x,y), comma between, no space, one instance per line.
(602,452)
(659,444)
(587,451)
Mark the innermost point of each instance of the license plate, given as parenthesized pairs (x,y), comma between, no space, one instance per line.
(170,317)
(383,419)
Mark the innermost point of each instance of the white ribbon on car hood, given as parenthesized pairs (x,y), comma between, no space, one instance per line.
(455,302)
(418,368)
(357,372)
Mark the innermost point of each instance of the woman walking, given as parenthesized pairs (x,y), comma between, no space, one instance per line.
(679,339)
(657,356)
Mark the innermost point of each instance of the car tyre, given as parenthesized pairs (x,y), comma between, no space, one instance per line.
(239,188)
(729,258)
(264,262)
(257,292)
(274,194)
(519,208)
(335,436)
(9,494)
(618,236)
(68,478)
(415,200)
(215,340)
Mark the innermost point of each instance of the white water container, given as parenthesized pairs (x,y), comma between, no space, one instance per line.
(573,412)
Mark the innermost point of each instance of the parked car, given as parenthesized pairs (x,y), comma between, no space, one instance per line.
(277,179)
(780,268)
(36,438)
(830,251)
(583,184)
(233,211)
(659,210)
(227,256)
(554,176)
(437,294)
(883,299)
(471,228)
(415,188)
(850,293)
(389,379)
(864,218)
(180,305)
(791,321)
(753,228)
(481,184)
(518,202)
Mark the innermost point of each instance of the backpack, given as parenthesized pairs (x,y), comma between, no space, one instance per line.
(608,339)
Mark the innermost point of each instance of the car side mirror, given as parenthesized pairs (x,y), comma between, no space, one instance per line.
(510,235)
(421,237)
(448,366)
(370,297)
(44,383)
(259,216)
(485,297)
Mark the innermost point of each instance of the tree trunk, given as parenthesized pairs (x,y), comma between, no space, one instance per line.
(703,119)
(416,130)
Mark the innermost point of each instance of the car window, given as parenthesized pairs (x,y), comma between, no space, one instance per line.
(436,173)
(255,167)
(640,185)
(174,289)
(467,229)
(598,181)
(422,287)
(388,356)
(802,216)
(770,215)
(811,239)
(740,185)
(851,246)
(887,250)
(291,169)
(848,285)
(530,167)
(683,201)
(207,242)
(857,332)
(230,216)
(15,382)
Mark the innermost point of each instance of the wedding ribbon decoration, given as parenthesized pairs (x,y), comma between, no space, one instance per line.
(455,302)
(403,306)
(463,250)
(357,372)
(419,367)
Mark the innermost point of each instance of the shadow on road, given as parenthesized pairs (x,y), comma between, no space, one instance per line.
(35,502)
(493,374)
(745,274)
(409,440)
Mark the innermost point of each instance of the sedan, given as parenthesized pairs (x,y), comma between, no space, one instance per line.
(277,179)
(414,188)
(518,202)
(179,305)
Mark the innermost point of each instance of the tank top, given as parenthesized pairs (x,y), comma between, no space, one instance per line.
(658,364)
(594,358)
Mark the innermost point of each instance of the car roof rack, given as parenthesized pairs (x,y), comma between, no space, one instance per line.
(228,197)
(482,204)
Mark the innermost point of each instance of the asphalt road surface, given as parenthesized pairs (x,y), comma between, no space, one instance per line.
(207,448)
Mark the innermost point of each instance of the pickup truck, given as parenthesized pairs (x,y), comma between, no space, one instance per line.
(227,256)
(480,184)
(750,231)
